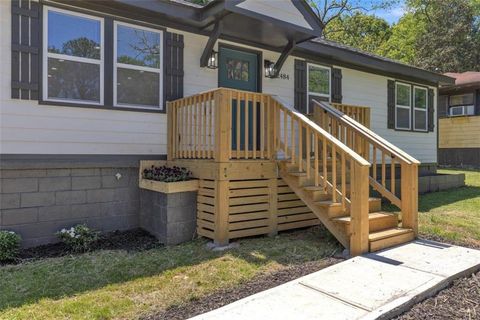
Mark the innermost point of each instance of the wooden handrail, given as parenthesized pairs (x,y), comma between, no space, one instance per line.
(372,136)
(319,129)
(329,165)
(367,143)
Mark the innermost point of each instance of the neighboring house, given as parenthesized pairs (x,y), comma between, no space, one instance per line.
(459,121)
(85,84)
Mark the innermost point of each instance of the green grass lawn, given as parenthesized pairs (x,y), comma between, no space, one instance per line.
(453,215)
(119,284)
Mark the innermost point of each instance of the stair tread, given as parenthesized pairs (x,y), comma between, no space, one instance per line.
(388,233)
(371,216)
(313,188)
(328,203)
(298,174)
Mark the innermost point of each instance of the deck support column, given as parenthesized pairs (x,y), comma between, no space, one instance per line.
(409,196)
(359,210)
(221,212)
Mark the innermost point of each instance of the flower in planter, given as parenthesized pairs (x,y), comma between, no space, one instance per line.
(167,174)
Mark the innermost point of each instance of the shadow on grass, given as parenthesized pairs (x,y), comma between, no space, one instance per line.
(57,278)
(434,200)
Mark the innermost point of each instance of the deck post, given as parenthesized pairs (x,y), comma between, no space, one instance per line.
(409,196)
(359,209)
(271,128)
(222,125)
(170,133)
(367,118)
(221,212)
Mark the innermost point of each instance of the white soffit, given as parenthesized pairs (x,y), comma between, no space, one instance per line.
(283,10)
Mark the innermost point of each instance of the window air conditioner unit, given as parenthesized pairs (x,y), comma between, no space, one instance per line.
(461,111)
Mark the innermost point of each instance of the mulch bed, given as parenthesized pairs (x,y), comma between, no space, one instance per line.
(459,301)
(131,240)
(226,296)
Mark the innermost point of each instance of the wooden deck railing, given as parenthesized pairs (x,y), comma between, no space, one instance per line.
(360,114)
(382,155)
(335,151)
(329,164)
(221,124)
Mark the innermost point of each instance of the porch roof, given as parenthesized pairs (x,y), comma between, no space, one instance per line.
(247,21)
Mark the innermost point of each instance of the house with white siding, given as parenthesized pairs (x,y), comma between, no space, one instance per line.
(90,88)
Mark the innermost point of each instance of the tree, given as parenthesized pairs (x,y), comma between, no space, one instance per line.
(402,43)
(80,47)
(366,32)
(331,10)
(451,39)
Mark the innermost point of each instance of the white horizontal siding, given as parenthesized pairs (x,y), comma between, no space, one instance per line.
(361,88)
(29,128)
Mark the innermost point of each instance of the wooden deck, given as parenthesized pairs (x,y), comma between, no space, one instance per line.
(263,168)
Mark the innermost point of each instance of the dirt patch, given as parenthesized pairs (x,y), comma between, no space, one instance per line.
(226,296)
(131,240)
(459,301)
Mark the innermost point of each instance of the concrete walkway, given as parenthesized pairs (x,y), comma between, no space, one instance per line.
(372,286)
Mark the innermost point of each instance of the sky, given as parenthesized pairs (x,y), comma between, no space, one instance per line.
(392,15)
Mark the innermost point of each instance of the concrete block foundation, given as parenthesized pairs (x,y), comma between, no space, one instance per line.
(41,194)
(171,218)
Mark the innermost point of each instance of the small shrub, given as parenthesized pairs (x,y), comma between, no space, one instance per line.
(166,174)
(9,244)
(79,238)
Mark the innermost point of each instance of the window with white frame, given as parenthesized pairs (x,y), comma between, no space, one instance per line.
(461,100)
(403,104)
(461,104)
(319,79)
(137,66)
(420,107)
(73,57)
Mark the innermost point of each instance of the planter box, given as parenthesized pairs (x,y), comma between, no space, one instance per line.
(164,187)
(168,210)
(169,187)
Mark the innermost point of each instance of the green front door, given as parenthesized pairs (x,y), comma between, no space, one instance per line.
(239,70)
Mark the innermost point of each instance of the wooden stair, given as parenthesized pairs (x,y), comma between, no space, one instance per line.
(384,231)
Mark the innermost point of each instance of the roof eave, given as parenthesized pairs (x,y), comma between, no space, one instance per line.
(365,61)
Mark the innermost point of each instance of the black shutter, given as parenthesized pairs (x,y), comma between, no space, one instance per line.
(391,104)
(431,110)
(300,86)
(173,66)
(337,85)
(25,49)
(442,106)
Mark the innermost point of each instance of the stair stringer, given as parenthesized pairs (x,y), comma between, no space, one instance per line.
(320,213)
